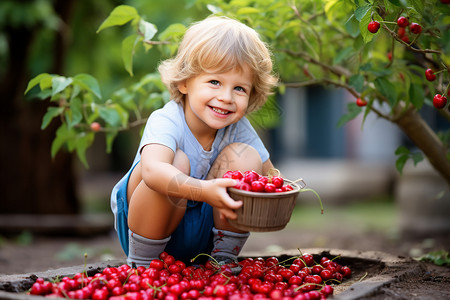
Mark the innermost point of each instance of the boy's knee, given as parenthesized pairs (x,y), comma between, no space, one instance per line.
(181,162)
(239,156)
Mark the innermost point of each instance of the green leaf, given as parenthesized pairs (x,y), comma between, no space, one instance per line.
(36,80)
(418,5)
(417,157)
(352,26)
(46,83)
(128,45)
(397,3)
(366,34)
(147,29)
(111,116)
(59,83)
(400,163)
(89,83)
(357,81)
(402,150)
(214,9)
(173,31)
(248,10)
(124,97)
(416,95)
(114,115)
(362,11)
(387,89)
(52,112)
(84,140)
(353,111)
(120,15)
(75,114)
(110,136)
(342,55)
(62,135)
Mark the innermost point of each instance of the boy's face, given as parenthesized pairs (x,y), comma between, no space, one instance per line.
(216,100)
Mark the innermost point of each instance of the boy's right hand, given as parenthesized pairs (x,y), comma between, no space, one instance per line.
(215,194)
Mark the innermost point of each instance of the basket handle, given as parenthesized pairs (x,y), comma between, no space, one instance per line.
(302,181)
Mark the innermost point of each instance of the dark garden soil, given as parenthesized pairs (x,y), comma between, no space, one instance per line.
(383,267)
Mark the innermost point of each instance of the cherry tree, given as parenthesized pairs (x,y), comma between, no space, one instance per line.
(391,55)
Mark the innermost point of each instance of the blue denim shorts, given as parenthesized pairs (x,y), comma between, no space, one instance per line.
(192,236)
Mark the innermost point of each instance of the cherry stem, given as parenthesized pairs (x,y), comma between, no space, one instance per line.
(364,276)
(387,22)
(317,195)
(446,89)
(193,259)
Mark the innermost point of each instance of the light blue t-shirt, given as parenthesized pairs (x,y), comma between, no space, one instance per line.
(167,126)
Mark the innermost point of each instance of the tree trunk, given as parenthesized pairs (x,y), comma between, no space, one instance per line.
(30,181)
(425,138)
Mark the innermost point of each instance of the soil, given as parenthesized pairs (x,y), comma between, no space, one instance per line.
(381,264)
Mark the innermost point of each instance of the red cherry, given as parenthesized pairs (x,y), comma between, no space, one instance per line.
(287,188)
(401,31)
(242,185)
(270,188)
(405,38)
(429,74)
(402,21)
(263,179)
(295,279)
(277,181)
(326,274)
(237,175)
(361,102)
(373,26)
(346,271)
(308,259)
(257,186)
(286,273)
(327,290)
(163,255)
(99,295)
(250,176)
(95,126)
(174,269)
(415,28)
(156,264)
(169,260)
(439,101)
(228,174)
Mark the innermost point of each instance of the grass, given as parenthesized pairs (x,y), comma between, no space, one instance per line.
(368,214)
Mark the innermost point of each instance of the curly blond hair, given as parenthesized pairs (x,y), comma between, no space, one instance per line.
(220,44)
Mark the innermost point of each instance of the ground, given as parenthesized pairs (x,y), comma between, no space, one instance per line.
(410,279)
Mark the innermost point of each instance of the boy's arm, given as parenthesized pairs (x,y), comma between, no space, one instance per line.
(160,175)
(267,165)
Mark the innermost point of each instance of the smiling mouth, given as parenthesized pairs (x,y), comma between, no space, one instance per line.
(220,111)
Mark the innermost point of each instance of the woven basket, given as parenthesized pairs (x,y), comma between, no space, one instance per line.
(262,212)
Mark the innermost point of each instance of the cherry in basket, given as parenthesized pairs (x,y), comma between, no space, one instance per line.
(255,182)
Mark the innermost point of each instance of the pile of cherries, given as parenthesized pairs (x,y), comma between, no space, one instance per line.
(252,181)
(296,278)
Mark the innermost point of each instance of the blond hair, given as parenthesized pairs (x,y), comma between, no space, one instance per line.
(220,44)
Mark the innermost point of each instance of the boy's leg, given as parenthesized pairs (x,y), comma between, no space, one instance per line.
(228,241)
(152,217)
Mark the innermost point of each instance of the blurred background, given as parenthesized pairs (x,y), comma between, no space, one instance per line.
(52,211)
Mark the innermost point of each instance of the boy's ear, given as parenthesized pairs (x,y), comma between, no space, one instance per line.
(182,87)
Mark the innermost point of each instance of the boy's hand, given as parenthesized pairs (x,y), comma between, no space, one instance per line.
(215,194)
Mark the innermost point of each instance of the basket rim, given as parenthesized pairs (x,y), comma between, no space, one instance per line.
(268,195)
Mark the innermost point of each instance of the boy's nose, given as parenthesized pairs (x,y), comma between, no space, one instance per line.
(226,95)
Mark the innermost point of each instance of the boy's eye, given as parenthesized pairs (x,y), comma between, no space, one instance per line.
(240,89)
(215,82)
